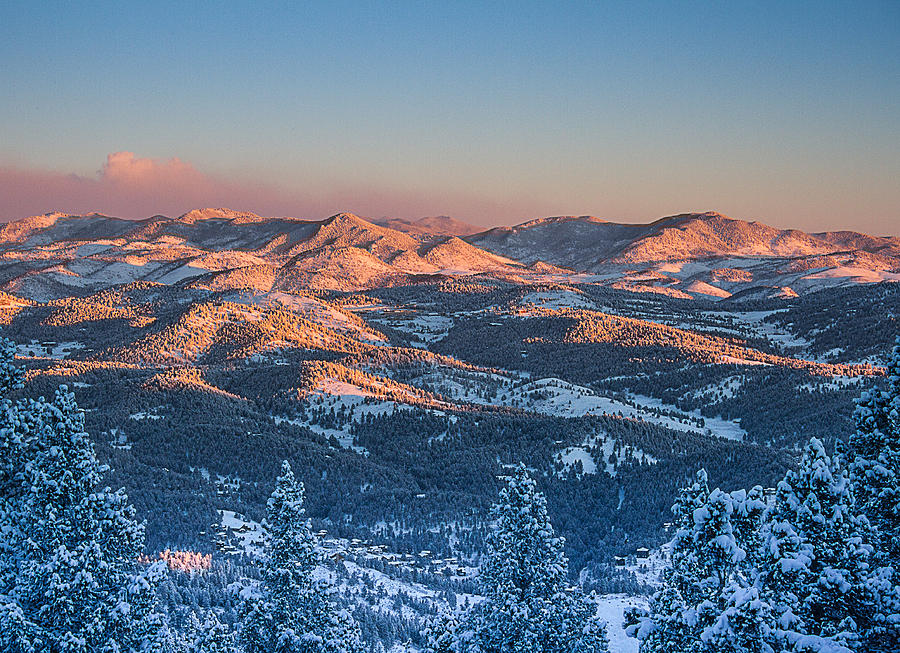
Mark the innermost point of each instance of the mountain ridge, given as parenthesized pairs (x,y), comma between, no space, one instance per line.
(440,225)
(685,255)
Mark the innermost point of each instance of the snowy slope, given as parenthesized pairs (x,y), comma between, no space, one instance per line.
(697,255)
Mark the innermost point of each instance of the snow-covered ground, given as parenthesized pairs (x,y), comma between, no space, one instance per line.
(181,273)
(55,350)
(611,608)
(147,414)
(247,534)
(343,437)
(717,426)
(553,396)
(727,388)
(568,457)
(353,401)
(572,455)
(834,383)
(424,327)
(557,299)
(119,439)
(356,557)
(754,324)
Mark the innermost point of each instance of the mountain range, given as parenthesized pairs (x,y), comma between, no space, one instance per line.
(705,255)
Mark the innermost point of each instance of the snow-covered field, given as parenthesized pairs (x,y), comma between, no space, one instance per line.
(425,328)
(346,399)
(247,534)
(568,457)
(343,437)
(611,609)
(557,299)
(552,396)
(726,388)
(753,323)
(54,350)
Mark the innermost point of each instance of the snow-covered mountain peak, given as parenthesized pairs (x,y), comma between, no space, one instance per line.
(196,215)
(441,225)
(555,220)
(685,255)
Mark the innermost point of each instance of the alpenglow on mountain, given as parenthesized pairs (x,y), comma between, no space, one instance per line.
(705,255)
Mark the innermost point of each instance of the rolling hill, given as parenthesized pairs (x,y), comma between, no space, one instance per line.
(696,255)
(699,254)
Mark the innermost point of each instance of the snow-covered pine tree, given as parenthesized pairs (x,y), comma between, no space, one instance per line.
(817,572)
(11,375)
(167,640)
(819,577)
(343,634)
(73,545)
(12,451)
(709,601)
(11,460)
(782,572)
(875,480)
(528,604)
(209,635)
(291,612)
(440,633)
(875,469)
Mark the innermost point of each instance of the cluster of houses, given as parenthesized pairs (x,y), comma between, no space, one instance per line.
(421,561)
(235,535)
(48,349)
(640,558)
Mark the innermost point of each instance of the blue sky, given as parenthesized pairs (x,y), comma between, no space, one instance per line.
(492,112)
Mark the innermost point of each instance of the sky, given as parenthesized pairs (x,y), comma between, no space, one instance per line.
(491,112)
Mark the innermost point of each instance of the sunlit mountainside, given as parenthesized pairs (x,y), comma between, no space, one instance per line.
(699,254)
(692,255)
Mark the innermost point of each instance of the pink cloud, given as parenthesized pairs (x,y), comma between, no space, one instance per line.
(130,186)
(126,186)
(126,169)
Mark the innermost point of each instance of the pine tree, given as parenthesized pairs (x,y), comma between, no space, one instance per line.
(167,640)
(823,576)
(292,612)
(818,495)
(209,635)
(343,634)
(440,633)
(709,601)
(875,471)
(13,444)
(11,375)
(13,435)
(816,572)
(528,604)
(71,579)
(782,575)
(875,480)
